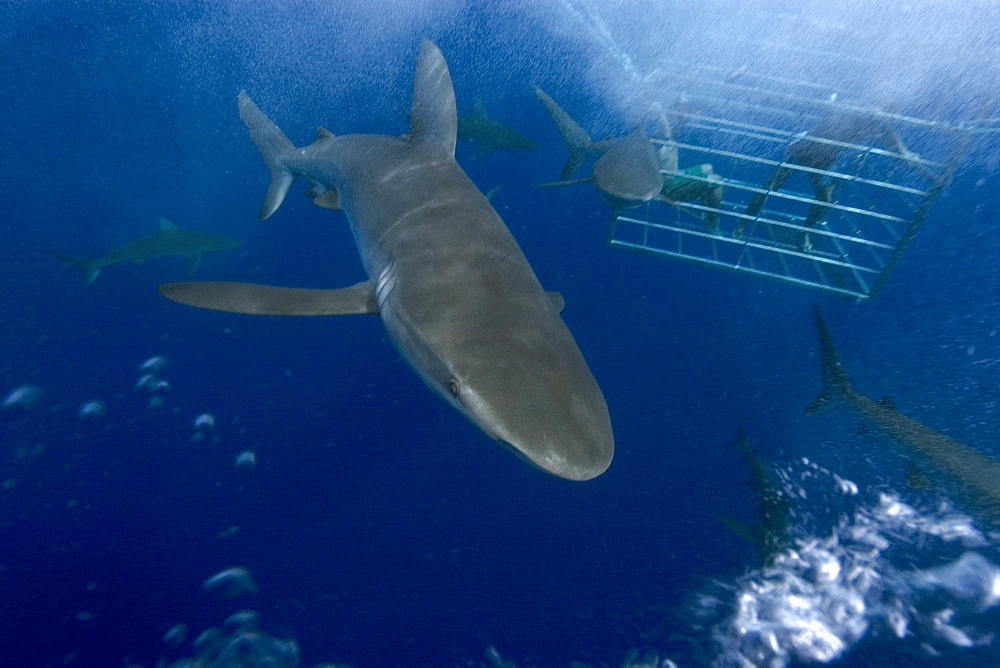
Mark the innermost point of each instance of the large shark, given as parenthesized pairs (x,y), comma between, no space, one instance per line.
(169,240)
(627,170)
(489,134)
(456,294)
(977,473)
(770,535)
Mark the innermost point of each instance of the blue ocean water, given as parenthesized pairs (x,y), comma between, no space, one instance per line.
(380,526)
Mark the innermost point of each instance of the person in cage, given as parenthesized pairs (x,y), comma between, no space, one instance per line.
(706,187)
(848,125)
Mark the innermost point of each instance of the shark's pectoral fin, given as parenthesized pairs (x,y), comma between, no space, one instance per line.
(255,299)
(822,404)
(557,300)
(571,182)
(916,477)
(744,531)
(483,150)
(191,263)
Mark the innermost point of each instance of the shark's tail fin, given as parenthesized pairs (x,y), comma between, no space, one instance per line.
(272,144)
(90,268)
(835,383)
(576,138)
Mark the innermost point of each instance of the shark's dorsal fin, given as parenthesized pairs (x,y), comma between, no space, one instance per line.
(167,226)
(887,402)
(433,119)
(323,133)
(255,299)
(479,109)
(557,300)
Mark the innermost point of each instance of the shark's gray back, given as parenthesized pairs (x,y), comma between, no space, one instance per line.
(176,242)
(456,293)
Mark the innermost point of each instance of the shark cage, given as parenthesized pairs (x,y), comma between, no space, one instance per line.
(743,123)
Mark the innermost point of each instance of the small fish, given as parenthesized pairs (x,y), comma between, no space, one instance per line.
(231,582)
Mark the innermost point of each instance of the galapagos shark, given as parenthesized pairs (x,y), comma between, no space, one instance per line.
(169,240)
(627,170)
(978,474)
(489,134)
(454,291)
(770,535)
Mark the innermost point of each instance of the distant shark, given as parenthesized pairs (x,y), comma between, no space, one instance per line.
(978,474)
(456,294)
(770,535)
(627,170)
(169,240)
(489,134)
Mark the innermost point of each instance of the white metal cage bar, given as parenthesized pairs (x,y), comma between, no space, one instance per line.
(743,128)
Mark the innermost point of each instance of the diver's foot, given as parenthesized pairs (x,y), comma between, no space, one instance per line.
(738,232)
(806,244)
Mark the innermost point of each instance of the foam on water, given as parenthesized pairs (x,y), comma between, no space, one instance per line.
(886,568)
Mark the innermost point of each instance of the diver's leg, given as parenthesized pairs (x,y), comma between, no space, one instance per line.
(774,182)
(824,195)
(712,198)
(708,193)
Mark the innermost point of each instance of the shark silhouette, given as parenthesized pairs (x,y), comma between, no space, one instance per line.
(627,170)
(489,134)
(770,534)
(978,474)
(169,240)
(456,294)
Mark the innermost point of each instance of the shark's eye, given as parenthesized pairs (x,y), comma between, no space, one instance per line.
(453,387)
